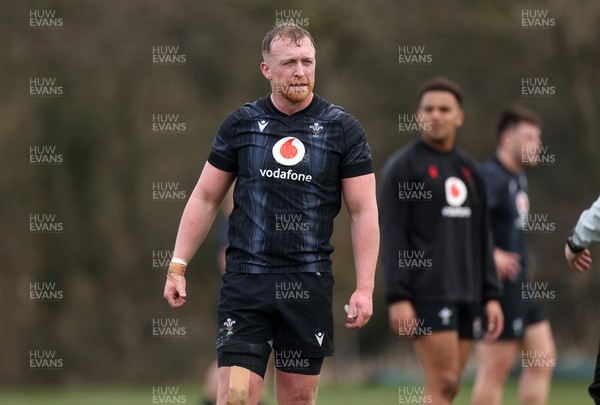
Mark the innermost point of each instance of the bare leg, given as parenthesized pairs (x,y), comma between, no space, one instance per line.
(211,383)
(232,392)
(495,361)
(439,355)
(534,385)
(296,389)
(464,346)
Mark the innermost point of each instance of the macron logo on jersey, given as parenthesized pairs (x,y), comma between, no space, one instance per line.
(456,195)
(262,125)
(288,151)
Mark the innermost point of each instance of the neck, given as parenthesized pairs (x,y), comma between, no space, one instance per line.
(289,107)
(512,165)
(443,146)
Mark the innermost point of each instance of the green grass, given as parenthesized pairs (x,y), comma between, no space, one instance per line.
(563,393)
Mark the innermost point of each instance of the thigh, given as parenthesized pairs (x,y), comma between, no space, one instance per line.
(238,385)
(498,356)
(538,346)
(464,350)
(438,353)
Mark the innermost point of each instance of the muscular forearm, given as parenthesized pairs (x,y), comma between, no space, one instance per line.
(365,245)
(195,223)
(200,211)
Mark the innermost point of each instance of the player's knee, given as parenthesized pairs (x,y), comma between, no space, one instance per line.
(448,384)
(541,366)
(302,396)
(237,397)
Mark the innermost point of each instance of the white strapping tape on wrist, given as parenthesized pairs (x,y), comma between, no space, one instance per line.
(179,261)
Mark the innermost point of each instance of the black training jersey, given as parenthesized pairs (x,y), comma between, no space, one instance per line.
(509,208)
(289,170)
(435,236)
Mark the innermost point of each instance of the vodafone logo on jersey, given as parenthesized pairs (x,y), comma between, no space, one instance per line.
(522,203)
(289,151)
(456,195)
(456,191)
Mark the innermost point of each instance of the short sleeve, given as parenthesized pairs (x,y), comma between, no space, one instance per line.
(223,154)
(357,154)
(493,186)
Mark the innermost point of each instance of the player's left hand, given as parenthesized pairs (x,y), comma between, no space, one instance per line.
(360,310)
(495,320)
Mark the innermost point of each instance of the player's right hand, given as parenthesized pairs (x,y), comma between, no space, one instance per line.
(403,320)
(495,320)
(175,290)
(579,262)
(508,264)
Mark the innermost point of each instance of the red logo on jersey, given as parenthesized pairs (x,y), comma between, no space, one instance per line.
(433,172)
(522,203)
(467,173)
(456,191)
(288,151)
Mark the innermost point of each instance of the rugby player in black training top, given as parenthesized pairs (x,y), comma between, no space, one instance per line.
(525,328)
(293,154)
(440,280)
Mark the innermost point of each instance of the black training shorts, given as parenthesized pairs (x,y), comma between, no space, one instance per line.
(467,319)
(519,312)
(292,312)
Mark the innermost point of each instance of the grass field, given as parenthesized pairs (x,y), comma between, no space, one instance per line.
(563,393)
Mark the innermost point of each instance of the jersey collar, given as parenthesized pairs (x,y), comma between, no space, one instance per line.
(270,107)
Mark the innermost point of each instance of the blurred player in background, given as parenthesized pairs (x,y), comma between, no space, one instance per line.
(586,233)
(294,155)
(525,327)
(436,253)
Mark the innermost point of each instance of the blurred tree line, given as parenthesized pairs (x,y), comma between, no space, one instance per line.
(102,56)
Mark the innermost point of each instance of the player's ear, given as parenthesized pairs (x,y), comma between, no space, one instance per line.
(502,138)
(264,68)
(460,118)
